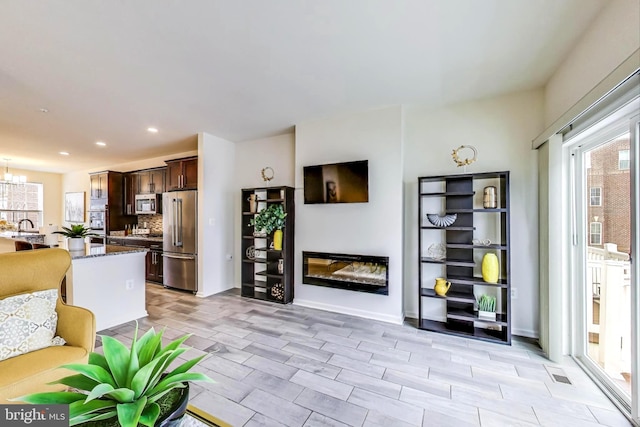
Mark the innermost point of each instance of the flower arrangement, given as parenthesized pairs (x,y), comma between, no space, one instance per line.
(7,226)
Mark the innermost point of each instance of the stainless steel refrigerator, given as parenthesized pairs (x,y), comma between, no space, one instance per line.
(180,240)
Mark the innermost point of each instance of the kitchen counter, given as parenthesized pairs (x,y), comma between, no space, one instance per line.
(110,281)
(137,237)
(94,250)
(28,236)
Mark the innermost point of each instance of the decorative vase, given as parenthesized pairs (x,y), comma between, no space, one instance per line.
(253,203)
(75,243)
(490,268)
(280,266)
(490,200)
(277,240)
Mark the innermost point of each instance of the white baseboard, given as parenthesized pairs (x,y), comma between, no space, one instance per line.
(351,311)
(411,314)
(525,333)
(102,324)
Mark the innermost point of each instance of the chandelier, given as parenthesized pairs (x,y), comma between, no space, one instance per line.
(11,178)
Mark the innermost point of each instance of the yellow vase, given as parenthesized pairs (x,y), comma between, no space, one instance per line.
(277,240)
(490,268)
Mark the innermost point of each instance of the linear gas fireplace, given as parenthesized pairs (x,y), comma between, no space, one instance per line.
(361,273)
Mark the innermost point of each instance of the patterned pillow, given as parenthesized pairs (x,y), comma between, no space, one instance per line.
(28,322)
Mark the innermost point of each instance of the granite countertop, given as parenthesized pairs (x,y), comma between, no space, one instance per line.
(94,250)
(146,237)
(13,234)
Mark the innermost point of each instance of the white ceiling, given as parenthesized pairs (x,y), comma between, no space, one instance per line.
(241,70)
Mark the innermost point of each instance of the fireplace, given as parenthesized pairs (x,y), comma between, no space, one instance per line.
(363,273)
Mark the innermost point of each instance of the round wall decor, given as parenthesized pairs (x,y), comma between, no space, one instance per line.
(467,161)
(267,174)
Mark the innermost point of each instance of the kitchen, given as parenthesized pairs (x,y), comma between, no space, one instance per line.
(126,209)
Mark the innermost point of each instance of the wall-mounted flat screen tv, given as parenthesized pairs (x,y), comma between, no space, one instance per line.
(337,183)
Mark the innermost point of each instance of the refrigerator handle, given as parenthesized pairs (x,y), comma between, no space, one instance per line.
(174,234)
(179,222)
(166,255)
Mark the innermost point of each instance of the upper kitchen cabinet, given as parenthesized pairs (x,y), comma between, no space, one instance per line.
(98,185)
(182,174)
(129,180)
(151,181)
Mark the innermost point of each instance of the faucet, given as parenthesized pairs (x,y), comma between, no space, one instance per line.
(23,220)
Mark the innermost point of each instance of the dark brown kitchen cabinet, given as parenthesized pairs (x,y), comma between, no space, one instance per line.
(107,208)
(151,181)
(182,174)
(129,189)
(153,266)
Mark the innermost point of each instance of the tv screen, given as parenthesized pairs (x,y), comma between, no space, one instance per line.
(337,183)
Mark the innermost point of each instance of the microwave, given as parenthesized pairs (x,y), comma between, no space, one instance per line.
(148,204)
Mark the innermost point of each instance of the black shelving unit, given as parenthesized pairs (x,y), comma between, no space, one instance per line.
(463,195)
(260,276)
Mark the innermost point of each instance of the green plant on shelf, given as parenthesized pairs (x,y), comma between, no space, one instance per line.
(487,303)
(269,219)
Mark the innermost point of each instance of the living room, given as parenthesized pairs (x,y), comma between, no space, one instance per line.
(403,139)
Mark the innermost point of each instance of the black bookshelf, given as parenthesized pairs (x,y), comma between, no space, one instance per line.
(463,195)
(260,276)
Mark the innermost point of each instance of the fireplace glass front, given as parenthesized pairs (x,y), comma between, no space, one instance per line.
(363,273)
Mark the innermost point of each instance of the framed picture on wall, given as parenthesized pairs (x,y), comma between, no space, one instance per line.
(74,207)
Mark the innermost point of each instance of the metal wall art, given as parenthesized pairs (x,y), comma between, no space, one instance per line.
(442,221)
(467,161)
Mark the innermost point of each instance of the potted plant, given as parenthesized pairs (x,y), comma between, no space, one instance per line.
(487,307)
(268,220)
(75,235)
(127,386)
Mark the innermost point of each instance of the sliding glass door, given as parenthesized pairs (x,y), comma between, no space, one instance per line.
(604,228)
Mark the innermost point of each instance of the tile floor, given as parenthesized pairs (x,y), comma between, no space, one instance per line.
(278,365)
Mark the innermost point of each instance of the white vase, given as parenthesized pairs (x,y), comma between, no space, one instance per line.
(75,243)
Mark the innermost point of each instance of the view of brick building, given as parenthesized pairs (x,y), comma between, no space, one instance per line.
(608,186)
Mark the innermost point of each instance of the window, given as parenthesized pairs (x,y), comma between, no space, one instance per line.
(595,196)
(21,201)
(623,160)
(595,233)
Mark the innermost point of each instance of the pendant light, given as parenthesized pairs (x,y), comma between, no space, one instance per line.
(11,178)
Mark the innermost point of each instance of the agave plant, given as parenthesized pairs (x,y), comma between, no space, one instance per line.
(126,383)
(76,230)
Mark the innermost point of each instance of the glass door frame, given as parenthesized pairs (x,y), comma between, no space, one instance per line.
(575,148)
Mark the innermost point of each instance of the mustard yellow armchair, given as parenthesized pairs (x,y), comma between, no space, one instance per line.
(30,271)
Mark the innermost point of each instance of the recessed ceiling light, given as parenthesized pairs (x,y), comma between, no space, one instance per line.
(152,130)
(44,110)
(101,144)
(64,153)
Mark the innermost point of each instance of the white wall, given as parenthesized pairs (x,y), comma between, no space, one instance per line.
(216,192)
(277,152)
(373,228)
(610,39)
(501,129)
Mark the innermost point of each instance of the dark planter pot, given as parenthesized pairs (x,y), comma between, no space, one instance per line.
(173,418)
(170,417)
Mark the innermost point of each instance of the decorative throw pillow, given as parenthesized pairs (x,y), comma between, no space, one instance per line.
(28,322)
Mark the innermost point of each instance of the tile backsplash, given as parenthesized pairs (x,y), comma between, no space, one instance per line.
(154,222)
